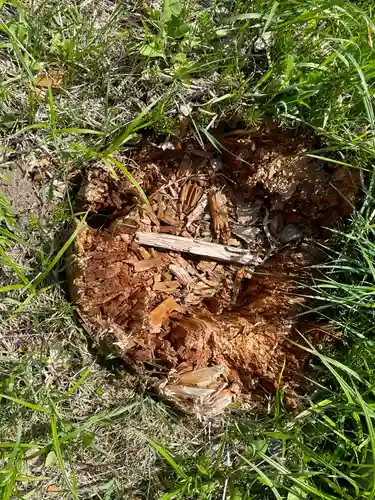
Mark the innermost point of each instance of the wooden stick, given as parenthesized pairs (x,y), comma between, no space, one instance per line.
(204,249)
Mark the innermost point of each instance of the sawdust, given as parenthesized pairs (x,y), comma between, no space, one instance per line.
(175,313)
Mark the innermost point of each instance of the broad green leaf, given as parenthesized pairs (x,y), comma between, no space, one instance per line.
(171,8)
(296,494)
(151,51)
(51,459)
(259,445)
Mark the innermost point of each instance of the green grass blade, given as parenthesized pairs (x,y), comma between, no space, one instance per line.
(59,254)
(127,133)
(337,162)
(32,406)
(34,126)
(301,484)
(28,299)
(52,112)
(9,288)
(60,459)
(73,130)
(167,456)
(329,361)
(17,269)
(16,462)
(265,478)
(244,17)
(371,431)
(366,93)
(127,174)
(270,16)
(82,377)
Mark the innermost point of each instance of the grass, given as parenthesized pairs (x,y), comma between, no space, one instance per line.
(70,420)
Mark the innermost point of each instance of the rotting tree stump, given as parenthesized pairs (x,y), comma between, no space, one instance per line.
(208,331)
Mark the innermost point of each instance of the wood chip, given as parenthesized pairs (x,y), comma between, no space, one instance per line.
(198,211)
(181,273)
(201,248)
(180,391)
(169,217)
(203,377)
(166,286)
(161,312)
(143,253)
(237,284)
(184,263)
(145,265)
(206,265)
(191,193)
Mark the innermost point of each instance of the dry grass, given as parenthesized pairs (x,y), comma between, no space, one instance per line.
(103,415)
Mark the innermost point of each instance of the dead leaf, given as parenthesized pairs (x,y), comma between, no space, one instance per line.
(52,78)
(50,459)
(216,404)
(369,36)
(52,488)
(197,212)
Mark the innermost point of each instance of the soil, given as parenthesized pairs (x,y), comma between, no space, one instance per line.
(209,332)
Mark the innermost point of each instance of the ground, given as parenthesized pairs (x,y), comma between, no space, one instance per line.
(87,87)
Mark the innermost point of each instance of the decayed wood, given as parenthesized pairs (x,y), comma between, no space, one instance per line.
(204,249)
(181,274)
(197,212)
(219,216)
(167,286)
(145,265)
(161,312)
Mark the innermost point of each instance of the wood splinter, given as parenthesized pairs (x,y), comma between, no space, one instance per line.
(203,249)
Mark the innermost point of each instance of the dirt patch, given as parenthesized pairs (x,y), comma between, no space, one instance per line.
(210,329)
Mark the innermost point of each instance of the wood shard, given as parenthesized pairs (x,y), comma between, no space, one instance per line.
(219,215)
(198,211)
(190,194)
(201,248)
(181,274)
(143,253)
(161,313)
(206,265)
(185,264)
(145,265)
(183,392)
(217,403)
(203,377)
